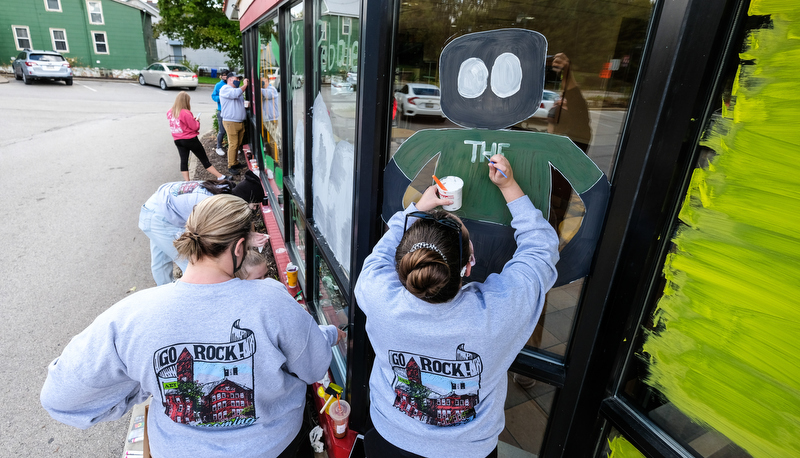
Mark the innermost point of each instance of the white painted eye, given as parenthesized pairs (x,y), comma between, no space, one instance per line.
(506,75)
(472,78)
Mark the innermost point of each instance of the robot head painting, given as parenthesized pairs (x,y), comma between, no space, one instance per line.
(490,81)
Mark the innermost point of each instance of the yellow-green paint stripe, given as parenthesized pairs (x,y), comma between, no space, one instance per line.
(727,347)
(619,447)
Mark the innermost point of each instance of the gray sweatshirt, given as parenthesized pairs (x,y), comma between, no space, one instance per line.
(227,364)
(232,101)
(438,383)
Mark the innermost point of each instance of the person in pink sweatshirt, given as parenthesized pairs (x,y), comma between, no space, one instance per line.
(185,127)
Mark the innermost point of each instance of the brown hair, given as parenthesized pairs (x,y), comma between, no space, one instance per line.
(215,224)
(182,102)
(424,272)
(252,259)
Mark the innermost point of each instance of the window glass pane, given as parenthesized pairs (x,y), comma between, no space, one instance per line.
(297,238)
(334,125)
(330,305)
(270,79)
(296,97)
(53,5)
(716,363)
(527,409)
(615,445)
(95,12)
(592,58)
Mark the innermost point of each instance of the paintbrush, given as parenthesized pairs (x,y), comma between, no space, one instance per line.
(486,155)
(439,183)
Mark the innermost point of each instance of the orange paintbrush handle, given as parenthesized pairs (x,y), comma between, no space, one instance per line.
(439,183)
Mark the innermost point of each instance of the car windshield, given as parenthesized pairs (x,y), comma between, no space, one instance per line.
(426,91)
(47,57)
(549,96)
(178,68)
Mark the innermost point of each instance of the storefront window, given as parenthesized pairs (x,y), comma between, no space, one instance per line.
(527,409)
(331,308)
(593,53)
(715,354)
(296,96)
(616,446)
(298,238)
(269,83)
(334,126)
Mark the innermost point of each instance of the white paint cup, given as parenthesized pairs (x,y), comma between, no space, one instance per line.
(455,186)
(247,104)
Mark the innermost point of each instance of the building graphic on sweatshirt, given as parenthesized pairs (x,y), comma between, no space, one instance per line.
(437,391)
(208,384)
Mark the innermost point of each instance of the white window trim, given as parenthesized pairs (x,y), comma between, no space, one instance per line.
(323,31)
(89,12)
(108,50)
(348,23)
(53,40)
(47,8)
(16,38)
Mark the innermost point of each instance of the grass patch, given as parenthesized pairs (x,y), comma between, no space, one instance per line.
(207,80)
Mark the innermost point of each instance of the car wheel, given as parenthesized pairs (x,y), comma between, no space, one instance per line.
(163,85)
(141,80)
(25,79)
(68,81)
(17,77)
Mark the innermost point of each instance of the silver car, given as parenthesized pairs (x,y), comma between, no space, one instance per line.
(32,65)
(168,75)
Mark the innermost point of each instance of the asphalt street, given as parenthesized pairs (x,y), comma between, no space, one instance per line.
(77,163)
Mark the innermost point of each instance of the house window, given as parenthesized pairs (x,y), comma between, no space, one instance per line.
(100,42)
(52,5)
(22,37)
(95,10)
(323,31)
(59,38)
(346,24)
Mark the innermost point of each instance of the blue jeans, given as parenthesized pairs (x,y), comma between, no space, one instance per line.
(221,132)
(162,252)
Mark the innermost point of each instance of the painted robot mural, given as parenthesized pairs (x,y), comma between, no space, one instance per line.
(490,81)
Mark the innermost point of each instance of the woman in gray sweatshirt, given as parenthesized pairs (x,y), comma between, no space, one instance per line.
(227,361)
(442,350)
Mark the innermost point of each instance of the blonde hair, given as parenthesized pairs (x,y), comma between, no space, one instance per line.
(215,224)
(252,259)
(182,102)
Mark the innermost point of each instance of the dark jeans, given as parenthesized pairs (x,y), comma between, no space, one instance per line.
(193,145)
(376,446)
(221,132)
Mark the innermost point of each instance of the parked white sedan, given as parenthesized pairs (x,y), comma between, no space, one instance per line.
(419,99)
(168,75)
(549,98)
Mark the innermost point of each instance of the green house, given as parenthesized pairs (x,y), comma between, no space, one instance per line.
(104,34)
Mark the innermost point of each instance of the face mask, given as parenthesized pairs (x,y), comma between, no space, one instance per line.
(236,83)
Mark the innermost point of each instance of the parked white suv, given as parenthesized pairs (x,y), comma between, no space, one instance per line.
(37,65)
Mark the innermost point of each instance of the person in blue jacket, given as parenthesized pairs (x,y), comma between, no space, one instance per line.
(223,78)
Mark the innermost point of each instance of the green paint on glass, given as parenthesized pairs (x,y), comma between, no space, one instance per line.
(725,348)
(619,447)
(532,153)
(279,177)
